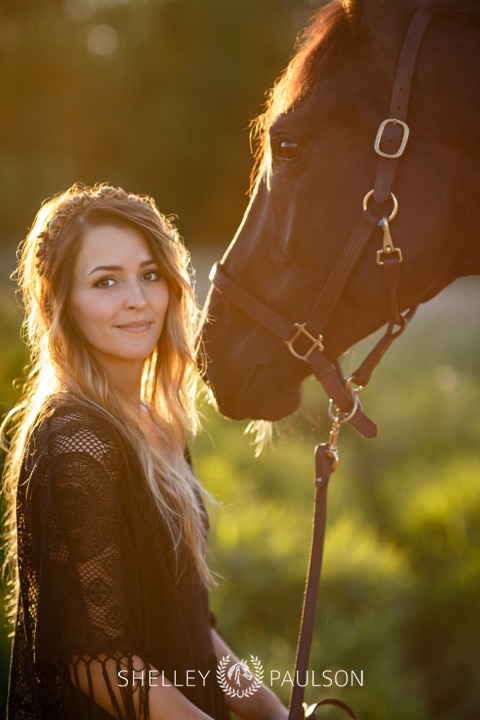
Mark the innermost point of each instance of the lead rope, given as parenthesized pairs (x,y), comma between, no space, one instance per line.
(326,462)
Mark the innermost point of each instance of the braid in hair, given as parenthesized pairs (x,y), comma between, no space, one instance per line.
(81,197)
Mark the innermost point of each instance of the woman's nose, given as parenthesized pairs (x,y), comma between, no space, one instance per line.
(135,296)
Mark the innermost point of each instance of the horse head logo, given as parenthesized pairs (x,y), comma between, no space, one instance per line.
(238,671)
(236,679)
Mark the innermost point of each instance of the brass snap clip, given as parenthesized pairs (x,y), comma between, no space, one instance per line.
(340,418)
(332,449)
(388,246)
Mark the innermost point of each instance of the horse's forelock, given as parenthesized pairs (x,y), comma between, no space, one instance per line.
(295,83)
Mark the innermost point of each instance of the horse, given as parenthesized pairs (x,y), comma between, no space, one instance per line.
(363,205)
(325,137)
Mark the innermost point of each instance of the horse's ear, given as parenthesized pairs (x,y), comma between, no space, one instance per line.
(351,8)
(378,19)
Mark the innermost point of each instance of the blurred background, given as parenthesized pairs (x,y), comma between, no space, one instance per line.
(157,96)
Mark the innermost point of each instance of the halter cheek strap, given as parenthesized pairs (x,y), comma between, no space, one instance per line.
(305,339)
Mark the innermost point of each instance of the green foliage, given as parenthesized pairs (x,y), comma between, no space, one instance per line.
(400,585)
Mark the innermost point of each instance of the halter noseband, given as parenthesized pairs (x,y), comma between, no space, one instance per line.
(305,339)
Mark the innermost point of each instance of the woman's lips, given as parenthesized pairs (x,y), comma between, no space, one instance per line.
(135,327)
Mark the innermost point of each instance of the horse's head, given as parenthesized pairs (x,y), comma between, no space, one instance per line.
(316,164)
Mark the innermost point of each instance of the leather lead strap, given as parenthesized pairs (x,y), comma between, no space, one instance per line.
(324,464)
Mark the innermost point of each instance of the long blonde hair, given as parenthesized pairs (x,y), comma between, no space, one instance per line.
(60,362)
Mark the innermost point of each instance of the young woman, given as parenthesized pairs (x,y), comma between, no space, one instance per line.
(107,529)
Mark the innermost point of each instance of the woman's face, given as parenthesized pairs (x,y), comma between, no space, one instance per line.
(118,298)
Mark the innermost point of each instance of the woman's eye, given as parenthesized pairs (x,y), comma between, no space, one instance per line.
(151,275)
(284,149)
(105,282)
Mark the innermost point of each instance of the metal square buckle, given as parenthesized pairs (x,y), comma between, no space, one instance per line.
(317,342)
(403,143)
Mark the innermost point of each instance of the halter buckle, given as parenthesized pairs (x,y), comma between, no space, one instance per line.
(316,342)
(403,142)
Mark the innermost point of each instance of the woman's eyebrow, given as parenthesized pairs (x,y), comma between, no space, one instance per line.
(113,268)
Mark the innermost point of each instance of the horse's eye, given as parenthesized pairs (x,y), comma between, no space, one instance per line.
(284,150)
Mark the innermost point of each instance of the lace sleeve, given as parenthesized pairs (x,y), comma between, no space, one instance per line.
(89,605)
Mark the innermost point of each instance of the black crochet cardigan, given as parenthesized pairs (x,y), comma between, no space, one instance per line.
(97,579)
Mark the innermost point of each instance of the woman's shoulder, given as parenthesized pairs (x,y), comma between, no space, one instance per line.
(69,424)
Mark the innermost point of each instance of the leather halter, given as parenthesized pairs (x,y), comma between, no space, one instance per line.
(305,339)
